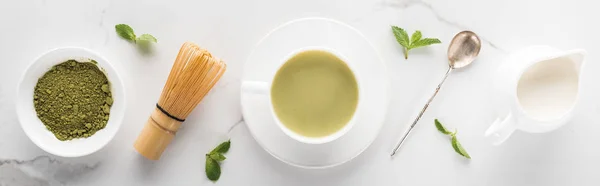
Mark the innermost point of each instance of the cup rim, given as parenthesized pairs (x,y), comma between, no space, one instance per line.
(333,136)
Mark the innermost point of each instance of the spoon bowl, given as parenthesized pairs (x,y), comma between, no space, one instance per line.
(463,49)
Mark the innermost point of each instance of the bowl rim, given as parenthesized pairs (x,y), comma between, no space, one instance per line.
(104,66)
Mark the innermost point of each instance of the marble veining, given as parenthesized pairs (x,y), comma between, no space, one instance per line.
(234,126)
(41,170)
(230,29)
(404,4)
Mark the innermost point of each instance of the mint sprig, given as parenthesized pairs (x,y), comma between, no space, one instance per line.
(415,41)
(213,158)
(127,33)
(455,144)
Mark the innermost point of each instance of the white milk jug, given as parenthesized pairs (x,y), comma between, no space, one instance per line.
(537,89)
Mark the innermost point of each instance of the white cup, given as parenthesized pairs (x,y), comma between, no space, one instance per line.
(520,112)
(260,87)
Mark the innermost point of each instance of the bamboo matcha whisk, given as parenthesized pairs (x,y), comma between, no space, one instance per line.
(194,73)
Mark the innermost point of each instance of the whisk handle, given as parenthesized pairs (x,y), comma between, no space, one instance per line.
(158,132)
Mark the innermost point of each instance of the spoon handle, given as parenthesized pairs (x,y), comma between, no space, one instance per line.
(420,114)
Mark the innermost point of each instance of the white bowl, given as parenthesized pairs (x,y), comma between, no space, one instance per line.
(33,126)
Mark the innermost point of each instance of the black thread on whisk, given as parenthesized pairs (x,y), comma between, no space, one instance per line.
(167,113)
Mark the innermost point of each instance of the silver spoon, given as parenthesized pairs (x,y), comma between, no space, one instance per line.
(462,51)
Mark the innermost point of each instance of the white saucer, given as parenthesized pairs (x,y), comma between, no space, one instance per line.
(321,32)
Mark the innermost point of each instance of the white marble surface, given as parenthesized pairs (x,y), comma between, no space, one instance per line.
(230,29)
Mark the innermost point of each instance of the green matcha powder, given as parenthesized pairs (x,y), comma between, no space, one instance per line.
(73,100)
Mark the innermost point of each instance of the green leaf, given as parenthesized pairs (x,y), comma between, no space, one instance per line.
(414,42)
(213,169)
(441,128)
(144,43)
(424,42)
(146,38)
(401,36)
(222,148)
(125,31)
(458,148)
(145,47)
(416,36)
(217,157)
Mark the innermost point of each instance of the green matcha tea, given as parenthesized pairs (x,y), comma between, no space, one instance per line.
(314,93)
(73,100)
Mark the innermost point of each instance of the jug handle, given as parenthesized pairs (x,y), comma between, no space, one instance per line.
(501,129)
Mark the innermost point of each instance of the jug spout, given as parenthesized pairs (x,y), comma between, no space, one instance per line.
(577,56)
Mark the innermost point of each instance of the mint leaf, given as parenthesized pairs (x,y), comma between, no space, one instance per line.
(458,148)
(455,144)
(222,148)
(143,42)
(441,128)
(401,36)
(416,36)
(146,38)
(217,157)
(125,31)
(424,42)
(414,42)
(213,169)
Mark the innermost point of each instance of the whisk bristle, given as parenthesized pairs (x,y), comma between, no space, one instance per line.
(194,73)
